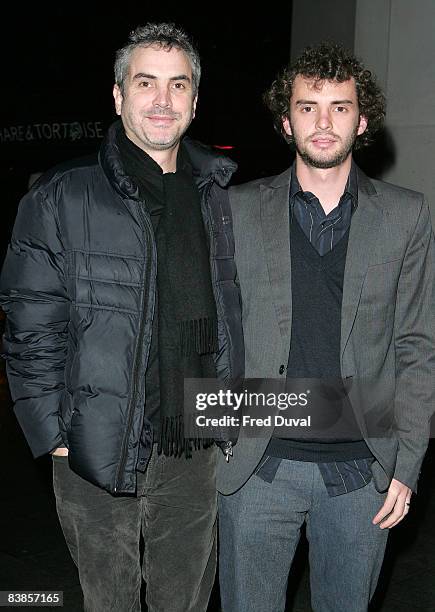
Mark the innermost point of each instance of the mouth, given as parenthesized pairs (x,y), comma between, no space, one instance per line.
(160,119)
(323,142)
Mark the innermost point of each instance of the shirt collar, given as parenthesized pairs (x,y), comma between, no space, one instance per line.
(351,188)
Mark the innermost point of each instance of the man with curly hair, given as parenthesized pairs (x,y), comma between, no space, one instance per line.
(336,273)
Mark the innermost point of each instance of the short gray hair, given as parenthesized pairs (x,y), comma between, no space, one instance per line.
(167,35)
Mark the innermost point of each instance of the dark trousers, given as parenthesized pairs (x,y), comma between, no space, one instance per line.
(175,510)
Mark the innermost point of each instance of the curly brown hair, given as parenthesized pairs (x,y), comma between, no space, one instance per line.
(331,62)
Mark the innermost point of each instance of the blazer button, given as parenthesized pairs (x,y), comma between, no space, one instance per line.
(281,369)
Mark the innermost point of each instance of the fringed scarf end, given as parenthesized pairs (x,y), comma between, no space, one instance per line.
(172,442)
(199,335)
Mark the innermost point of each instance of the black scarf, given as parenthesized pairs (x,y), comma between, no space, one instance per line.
(187,321)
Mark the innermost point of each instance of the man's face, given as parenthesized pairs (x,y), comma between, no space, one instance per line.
(324,121)
(157,105)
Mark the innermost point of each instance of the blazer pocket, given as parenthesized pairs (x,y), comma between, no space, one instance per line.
(380,284)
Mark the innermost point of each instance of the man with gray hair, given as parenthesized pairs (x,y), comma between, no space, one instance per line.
(111,286)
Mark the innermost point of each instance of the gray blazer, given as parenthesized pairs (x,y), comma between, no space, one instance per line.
(387,324)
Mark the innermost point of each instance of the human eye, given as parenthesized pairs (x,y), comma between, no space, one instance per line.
(179,85)
(340,109)
(305,108)
(144,83)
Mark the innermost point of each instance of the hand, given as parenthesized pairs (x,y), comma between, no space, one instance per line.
(60,452)
(396,505)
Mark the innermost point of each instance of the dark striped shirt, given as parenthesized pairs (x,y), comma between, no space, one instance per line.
(322,230)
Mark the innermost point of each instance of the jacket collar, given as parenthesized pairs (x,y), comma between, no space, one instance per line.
(207,166)
(363,182)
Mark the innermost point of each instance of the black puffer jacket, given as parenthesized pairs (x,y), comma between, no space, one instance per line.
(78,287)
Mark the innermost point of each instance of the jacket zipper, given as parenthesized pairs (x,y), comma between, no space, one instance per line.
(226,446)
(131,409)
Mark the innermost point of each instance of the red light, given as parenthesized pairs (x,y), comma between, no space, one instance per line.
(224,147)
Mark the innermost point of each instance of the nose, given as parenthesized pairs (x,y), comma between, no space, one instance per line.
(323,119)
(162,97)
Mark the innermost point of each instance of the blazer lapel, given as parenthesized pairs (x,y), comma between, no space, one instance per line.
(364,230)
(275,221)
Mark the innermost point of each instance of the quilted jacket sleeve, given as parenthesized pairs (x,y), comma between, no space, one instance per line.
(34,298)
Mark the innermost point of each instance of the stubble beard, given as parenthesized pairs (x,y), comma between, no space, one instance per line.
(163,144)
(324,163)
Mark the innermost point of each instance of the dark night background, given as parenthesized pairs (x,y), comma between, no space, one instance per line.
(57,79)
(58,69)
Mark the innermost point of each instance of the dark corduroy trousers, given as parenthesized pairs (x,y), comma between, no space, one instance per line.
(174,510)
